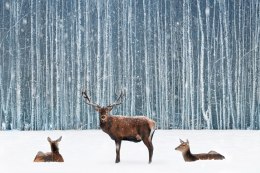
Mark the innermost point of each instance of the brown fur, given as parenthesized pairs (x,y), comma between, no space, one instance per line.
(123,127)
(53,156)
(135,129)
(189,157)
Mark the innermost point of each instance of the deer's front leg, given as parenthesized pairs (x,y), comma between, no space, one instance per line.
(118,146)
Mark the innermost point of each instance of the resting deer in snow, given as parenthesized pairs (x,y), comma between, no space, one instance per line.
(189,157)
(53,156)
(135,129)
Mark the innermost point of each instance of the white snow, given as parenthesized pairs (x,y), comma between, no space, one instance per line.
(94,151)
(25,21)
(7,6)
(207,11)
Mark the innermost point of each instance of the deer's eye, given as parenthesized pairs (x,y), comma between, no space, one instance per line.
(103,117)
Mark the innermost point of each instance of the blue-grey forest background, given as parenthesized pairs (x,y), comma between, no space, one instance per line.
(187,64)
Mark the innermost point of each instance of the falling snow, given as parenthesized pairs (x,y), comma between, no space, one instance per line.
(7,6)
(185,64)
(207,11)
(24,21)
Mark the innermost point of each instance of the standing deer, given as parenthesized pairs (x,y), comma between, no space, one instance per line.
(53,156)
(135,129)
(189,157)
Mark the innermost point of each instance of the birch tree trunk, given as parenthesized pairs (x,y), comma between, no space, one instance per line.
(205,111)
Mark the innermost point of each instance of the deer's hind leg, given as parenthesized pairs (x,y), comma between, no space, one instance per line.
(39,157)
(149,145)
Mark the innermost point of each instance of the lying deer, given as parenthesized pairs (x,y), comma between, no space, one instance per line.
(53,156)
(189,157)
(135,129)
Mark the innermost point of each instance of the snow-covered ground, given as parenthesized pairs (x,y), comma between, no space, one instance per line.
(94,151)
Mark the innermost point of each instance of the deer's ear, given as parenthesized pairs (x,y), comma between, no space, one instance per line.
(187,141)
(49,139)
(58,140)
(181,141)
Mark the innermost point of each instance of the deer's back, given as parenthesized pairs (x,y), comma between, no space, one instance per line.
(209,156)
(48,157)
(128,128)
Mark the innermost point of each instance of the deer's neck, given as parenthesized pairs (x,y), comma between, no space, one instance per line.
(106,125)
(54,149)
(188,156)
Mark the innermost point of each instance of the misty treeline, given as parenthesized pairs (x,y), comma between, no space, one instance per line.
(186,64)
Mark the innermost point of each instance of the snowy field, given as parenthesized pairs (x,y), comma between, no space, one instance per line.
(94,151)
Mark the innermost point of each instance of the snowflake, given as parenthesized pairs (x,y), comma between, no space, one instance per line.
(7,6)
(207,11)
(24,21)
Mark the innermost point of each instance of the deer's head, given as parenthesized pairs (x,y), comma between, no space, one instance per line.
(103,111)
(54,144)
(184,146)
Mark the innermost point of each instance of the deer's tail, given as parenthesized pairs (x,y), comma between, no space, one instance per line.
(152,128)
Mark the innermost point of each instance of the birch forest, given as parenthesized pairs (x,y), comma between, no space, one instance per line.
(187,64)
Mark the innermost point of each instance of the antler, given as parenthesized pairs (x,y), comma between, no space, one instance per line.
(88,100)
(119,100)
